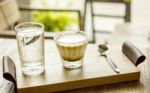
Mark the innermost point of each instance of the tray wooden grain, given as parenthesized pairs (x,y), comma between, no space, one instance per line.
(95,71)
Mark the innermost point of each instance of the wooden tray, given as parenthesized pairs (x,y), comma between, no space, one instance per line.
(95,71)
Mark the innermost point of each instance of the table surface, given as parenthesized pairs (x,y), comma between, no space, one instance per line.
(141,86)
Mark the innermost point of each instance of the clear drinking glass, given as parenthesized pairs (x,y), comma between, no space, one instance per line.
(30,39)
(71,46)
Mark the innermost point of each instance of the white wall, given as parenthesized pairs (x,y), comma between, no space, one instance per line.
(140,12)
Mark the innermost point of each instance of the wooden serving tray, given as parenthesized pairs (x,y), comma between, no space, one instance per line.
(95,71)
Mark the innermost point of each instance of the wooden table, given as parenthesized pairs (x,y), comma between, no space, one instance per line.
(141,86)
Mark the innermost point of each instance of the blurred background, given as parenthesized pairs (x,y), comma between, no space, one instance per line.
(98,18)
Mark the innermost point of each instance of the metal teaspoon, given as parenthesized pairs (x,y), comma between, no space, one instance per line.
(103,50)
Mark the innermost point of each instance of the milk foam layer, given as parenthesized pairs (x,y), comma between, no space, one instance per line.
(72,38)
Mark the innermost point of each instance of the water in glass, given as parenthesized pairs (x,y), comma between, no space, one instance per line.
(31,50)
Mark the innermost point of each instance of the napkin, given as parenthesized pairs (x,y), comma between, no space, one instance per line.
(133,53)
(9,73)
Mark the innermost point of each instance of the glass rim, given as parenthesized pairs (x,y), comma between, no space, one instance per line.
(67,32)
(24,23)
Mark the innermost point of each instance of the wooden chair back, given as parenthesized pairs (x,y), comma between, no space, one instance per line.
(9,13)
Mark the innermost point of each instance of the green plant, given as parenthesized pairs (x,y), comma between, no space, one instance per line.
(55,21)
(127,1)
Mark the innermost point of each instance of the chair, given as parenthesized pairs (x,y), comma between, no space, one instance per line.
(9,16)
(126,17)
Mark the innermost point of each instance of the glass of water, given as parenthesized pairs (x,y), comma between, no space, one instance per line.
(30,39)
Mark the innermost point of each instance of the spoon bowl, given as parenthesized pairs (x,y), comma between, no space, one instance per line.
(103,49)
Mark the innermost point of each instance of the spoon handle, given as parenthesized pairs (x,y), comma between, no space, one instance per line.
(112,64)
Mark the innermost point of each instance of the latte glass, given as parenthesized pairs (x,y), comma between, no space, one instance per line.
(71,46)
